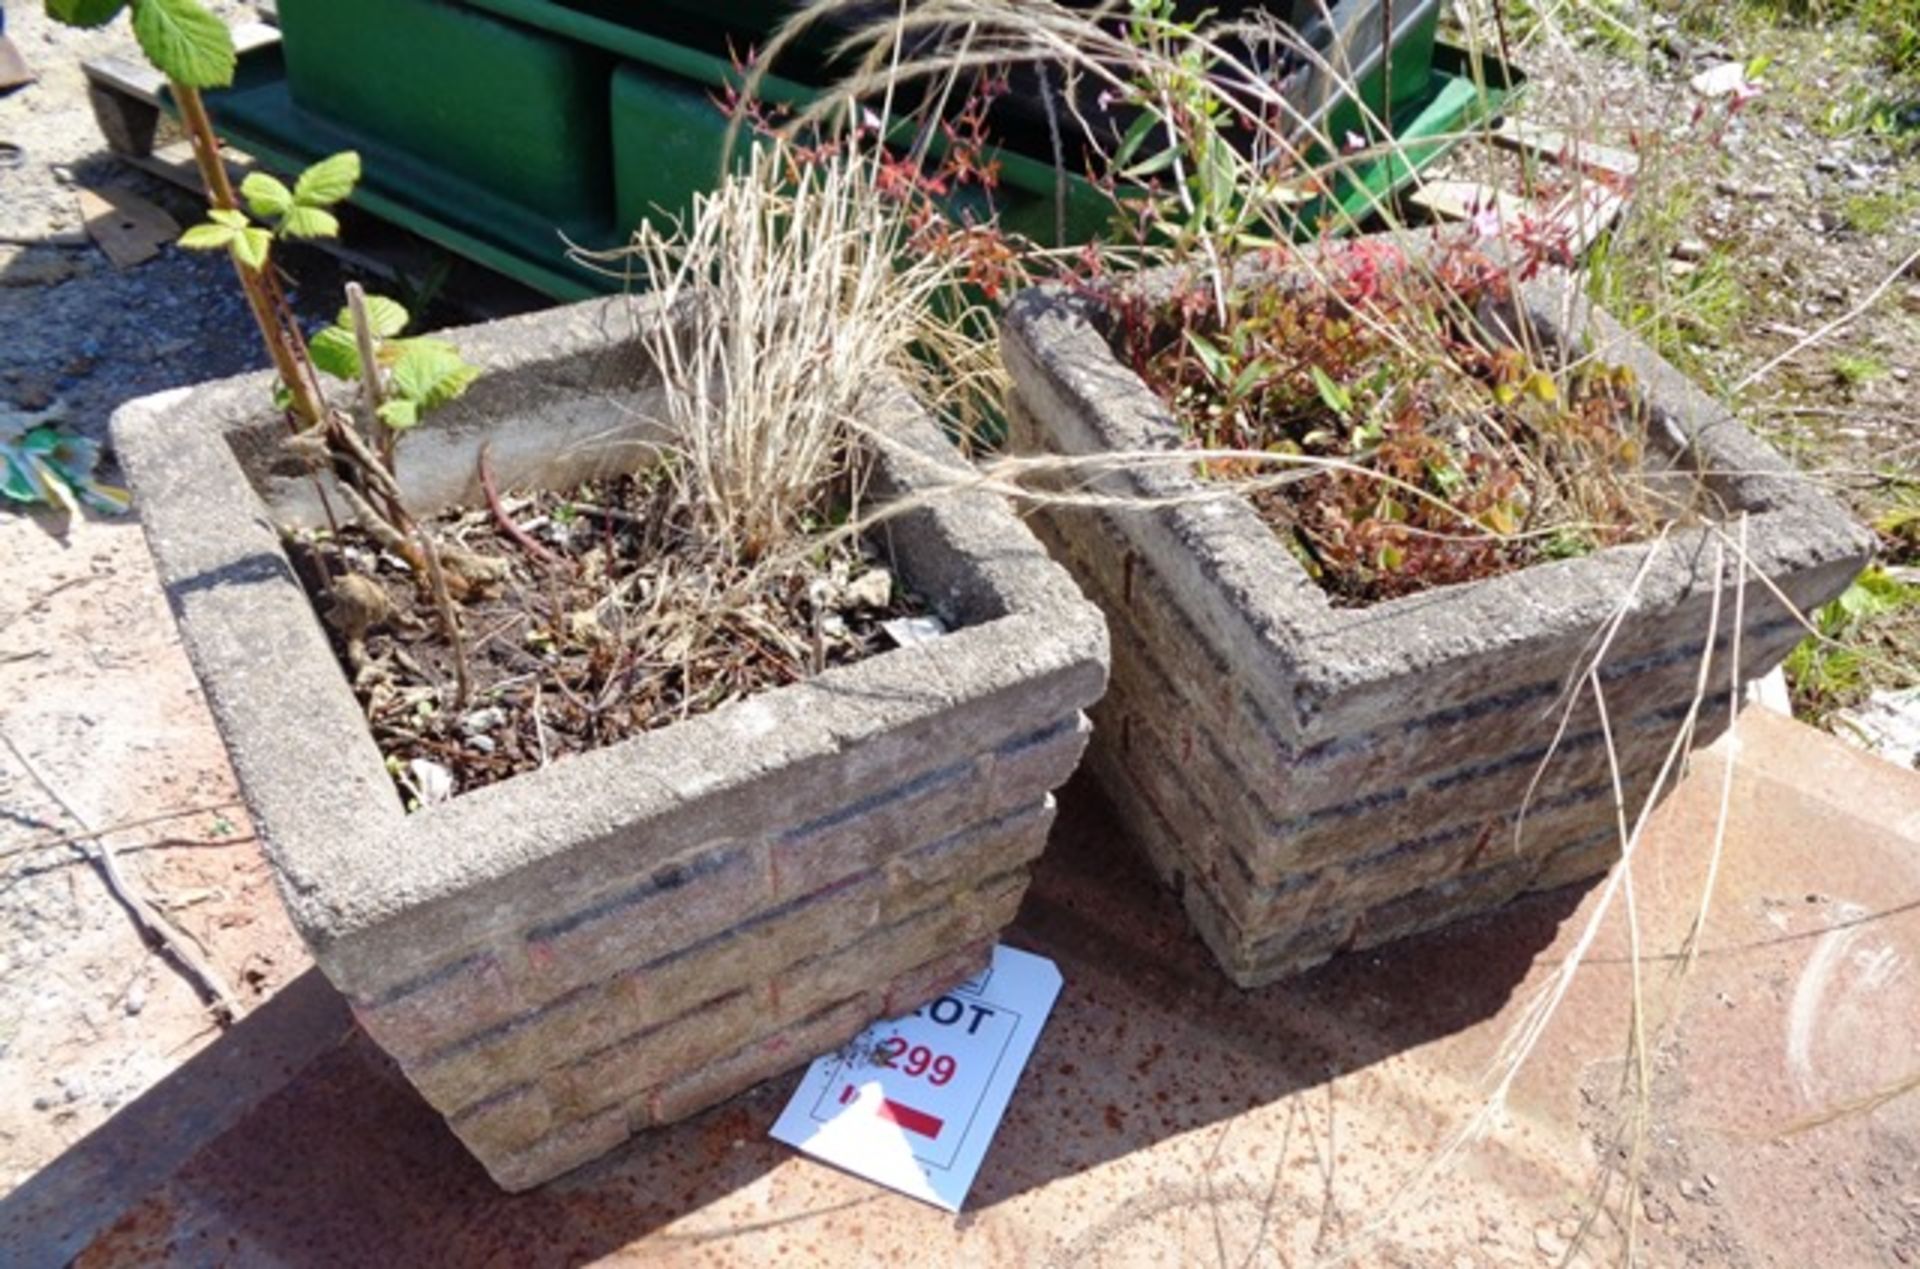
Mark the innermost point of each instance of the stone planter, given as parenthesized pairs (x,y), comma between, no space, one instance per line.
(627,936)
(1315,779)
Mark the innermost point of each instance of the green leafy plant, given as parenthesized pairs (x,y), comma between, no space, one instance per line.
(419,374)
(1835,666)
(182,38)
(40,462)
(195,51)
(300,212)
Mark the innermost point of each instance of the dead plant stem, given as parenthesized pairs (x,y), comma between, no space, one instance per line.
(69,839)
(423,536)
(1851,315)
(506,522)
(153,925)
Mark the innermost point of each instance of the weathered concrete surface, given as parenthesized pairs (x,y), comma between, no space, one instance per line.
(1169,1118)
(1315,778)
(619,939)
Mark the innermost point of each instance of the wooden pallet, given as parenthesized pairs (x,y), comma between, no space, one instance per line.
(1603,183)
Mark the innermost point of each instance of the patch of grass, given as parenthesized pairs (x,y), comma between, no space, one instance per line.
(1677,313)
(1609,24)
(1881,210)
(1857,647)
(1893,25)
(1677,307)
(1899,524)
(1861,111)
(1857,370)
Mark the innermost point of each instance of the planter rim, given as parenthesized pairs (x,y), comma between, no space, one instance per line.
(1064,368)
(351,859)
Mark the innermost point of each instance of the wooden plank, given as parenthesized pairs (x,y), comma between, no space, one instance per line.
(1582,214)
(1587,212)
(1460,200)
(126,77)
(1567,150)
(127,122)
(124,225)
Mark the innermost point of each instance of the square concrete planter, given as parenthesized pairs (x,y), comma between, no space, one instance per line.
(1314,779)
(624,937)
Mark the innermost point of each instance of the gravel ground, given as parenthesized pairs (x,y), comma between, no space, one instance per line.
(76,333)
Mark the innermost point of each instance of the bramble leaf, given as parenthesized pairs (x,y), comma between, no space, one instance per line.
(335,353)
(309,222)
(431,372)
(84,12)
(265,195)
(185,42)
(399,414)
(207,237)
(386,316)
(328,181)
(251,247)
(231,217)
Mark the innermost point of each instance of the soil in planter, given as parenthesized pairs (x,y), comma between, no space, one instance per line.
(608,619)
(1419,448)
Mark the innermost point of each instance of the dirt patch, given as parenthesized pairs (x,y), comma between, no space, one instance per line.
(102,703)
(601,615)
(100,697)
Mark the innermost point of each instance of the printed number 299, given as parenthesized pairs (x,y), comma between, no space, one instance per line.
(917,1060)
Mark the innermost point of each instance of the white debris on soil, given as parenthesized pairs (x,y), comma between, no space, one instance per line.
(1888,724)
(1722,80)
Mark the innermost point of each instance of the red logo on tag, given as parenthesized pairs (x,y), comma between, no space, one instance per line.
(907,1117)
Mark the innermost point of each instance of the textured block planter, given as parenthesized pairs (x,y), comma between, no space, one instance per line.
(624,937)
(1313,778)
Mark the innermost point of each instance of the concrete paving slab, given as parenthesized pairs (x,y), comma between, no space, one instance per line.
(1168,1118)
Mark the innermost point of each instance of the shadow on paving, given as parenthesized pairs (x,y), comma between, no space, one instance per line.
(346,1164)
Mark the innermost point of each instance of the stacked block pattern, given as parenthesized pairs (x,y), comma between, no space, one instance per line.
(626,935)
(697,979)
(1286,855)
(1313,780)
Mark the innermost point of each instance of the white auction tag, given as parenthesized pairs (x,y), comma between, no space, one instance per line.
(914,1103)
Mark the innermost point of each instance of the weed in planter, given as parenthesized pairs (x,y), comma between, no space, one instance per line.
(1436,452)
(727,566)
